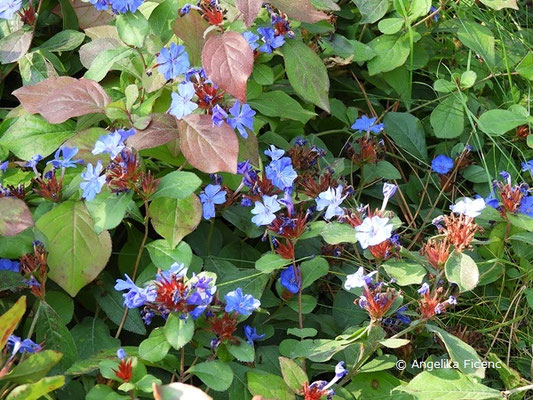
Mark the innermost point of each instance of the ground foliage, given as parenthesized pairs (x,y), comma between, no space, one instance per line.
(292,199)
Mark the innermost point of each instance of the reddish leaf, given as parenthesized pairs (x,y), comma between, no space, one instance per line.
(206,147)
(301,10)
(58,99)
(161,130)
(88,16)
(249,10)
(15,216)
(228,61)
(190,28)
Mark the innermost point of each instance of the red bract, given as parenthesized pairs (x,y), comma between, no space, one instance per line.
(171,294)
(368,152)
(286,250)
(50,188)
(375,302)
(436,251)
(384,250)
(124,370)
(460,230)
(208,95)
(313,392)
(511,197)
(122,173)
(224,327)
(212,12)
(313,187)
(289,227)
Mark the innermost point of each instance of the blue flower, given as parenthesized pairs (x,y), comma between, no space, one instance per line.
(4,165)
(251,334)
(332,199)
(181,102)
(32,162)
(125,133)
(22,346)
(122,6)
(528,166)
(252,39)
(135,296)
(400,316)
(281,173)
(491,200)
(264,212)
(526,205)
(219,115)
(271,40)
(92,181)
(241,303)
(274,153)
(365,124)
(211,195)
(442,164)
(424,289)
(241,118)
(121,354)
(66,161)
(290,280)
(111,144)
(8,265)
(431,11)
(100,5)
(8,8)
(173,61)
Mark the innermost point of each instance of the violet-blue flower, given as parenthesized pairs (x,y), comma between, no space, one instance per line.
(274,153)
(173,61)
(100,5)
(8,265)
(135,296)
(528,166)
(281,173)
(8,8)
(241,118)
(92,181)
(219,115)
(251,334)
(123,6)
(22,346)
(241,303)
(431,11)
(252,39)
(271,41)
(32,162)
(264,211)
(526,205)
(121,354)
(290,279)
(332,199)
(4,165)
(111,144)
(181,102)
(442,164)
(365,124)
(211,195)
(63,158)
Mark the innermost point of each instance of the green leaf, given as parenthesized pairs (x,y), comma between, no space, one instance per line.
(10,319)
(462,270)
(372,10)
(91,336)
(175,218)
(155,347)
(447,119)
(33,368)
(263,74)
(66,40)
(382,169)
(500,4)
(244,352)
(302,333)
(215,374)
(163,256)
(406,273)
(447,384)
(51,330)
(376,385)
(391,52)
(108,209)
(271,262)
(269,386)
(15,45)
(498,122)
(479,38)
(391,26)
(11,280)
(132,28)
(279,104)
(468,78)
(174,391)
(335,233)
(476,174)
(461,353)
(293,375)
(34,391)
(521,221)
(177,185)
(61,303)
(407,132)
(178,331)
(394,343)
(525,67)
(313,270)
(112,301)
(162,18)
(77,254)
(307,73)
(444,86)
(104,62)
(32,134)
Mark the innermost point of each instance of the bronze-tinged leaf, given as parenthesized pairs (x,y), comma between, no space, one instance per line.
(301,10)
(162,129)
(249,10)
(191,28)
(58,99)
(248,149)
(206,147)
(88,16)
(15,216)
(228,61)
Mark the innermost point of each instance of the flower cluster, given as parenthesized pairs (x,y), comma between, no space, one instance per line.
(366,149)
(209,9)
(271,37)
(431,304)
(124,371)
(514,198)
(318,389)
(117,6)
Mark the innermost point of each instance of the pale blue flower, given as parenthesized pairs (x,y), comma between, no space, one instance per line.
(135,296)
(241,303)
(211,195)
(264,212)
(181,102)
(274,153)
(111,144)
(63,158)
(92,181)
(332,199)
(365,124)
(173,61)
(252,39)
(8,8)
(281,173)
